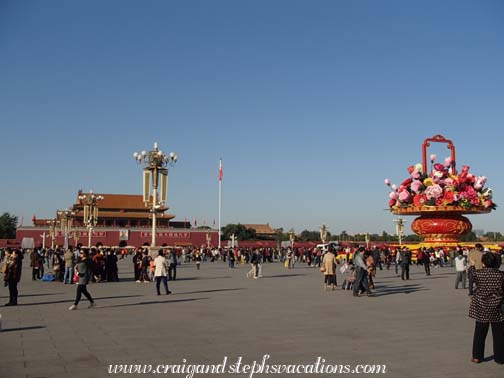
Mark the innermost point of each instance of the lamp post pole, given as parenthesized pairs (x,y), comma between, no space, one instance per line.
(44,235)
(65,218)
(399,229)
(52,230)
(208,238)
(90,217)
(156,167)
(323,233)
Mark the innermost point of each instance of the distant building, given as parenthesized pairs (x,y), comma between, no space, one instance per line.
(123,220)
(263,230)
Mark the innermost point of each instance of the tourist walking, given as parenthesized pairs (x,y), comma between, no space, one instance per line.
(69,265)
(426,261)
(405,263)
(328,269)
(361,280)
(486,310)
(12,274)
(137,264)
(34,264)
(172,269)
(231,258)
(160,272)
(83,272)
(460,268)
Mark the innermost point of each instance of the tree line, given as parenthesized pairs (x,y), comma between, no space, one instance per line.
(243,233)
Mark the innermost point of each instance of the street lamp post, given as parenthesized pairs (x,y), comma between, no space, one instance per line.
(208,239)
(65,218)
(52,230)
(323,233)
(76,236)
(292,237)
(399,229)
(90,217)
(156,165)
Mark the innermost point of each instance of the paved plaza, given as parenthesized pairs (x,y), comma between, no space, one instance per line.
(417,328)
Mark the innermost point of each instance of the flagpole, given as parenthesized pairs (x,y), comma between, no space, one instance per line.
(220,199)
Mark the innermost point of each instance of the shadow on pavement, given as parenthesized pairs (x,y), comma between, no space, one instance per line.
(201,278)
(72,300)
(286,275)
(406,289)
(209,291)
(151,303)
(21,329)
(34,295)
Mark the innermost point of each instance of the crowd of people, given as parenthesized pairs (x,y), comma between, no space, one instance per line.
(477,270)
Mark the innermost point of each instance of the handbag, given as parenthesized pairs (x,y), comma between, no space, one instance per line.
(322,269)
(76,278)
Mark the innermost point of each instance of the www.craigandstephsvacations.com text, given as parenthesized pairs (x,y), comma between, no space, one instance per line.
(249,369)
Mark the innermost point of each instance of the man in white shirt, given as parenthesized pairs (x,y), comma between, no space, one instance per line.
(160,272)
(460,268)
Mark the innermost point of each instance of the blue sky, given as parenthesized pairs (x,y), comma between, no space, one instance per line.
(310,104)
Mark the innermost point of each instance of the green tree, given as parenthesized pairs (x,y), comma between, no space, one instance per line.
(240,231)
(8,224)
(470,237)
(312,236)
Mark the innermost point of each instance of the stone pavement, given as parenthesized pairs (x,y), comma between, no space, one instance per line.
(417,328)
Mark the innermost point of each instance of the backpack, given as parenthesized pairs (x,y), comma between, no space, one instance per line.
(48,277)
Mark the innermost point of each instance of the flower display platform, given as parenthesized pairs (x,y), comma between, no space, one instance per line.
(440,198)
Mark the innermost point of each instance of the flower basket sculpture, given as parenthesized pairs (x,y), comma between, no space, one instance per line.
(440,197)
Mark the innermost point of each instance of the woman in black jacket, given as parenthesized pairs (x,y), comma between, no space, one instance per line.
(485,308)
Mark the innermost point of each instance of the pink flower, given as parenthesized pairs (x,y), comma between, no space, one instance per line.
(404,196)
(387,182)
(433,158)
(480,182)
(393,195)
(394,187)
(416,186)
(447,161)
(433,192)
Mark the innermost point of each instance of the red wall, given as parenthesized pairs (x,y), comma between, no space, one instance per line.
(110,237)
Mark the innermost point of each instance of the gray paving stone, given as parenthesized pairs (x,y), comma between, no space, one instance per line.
(217,312)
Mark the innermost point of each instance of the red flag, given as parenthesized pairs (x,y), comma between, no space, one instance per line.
(204,221)
(220,170)
(195,223)
(34,218)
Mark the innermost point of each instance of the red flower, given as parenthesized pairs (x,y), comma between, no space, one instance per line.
(439,167)
(411,169)
(406,182)
(448,197)
(419,200)
(392,202)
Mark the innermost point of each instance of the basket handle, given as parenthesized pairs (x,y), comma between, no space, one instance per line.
(438,139)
